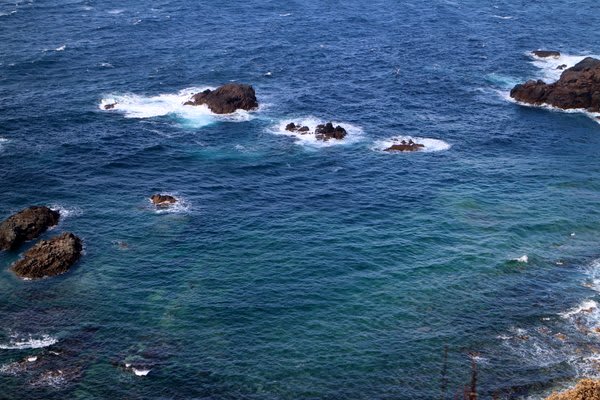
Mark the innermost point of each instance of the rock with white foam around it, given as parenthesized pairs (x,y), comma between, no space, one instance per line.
(226,99)
(577,88)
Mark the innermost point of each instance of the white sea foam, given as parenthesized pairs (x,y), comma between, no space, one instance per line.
(354,133)
(4,14)
(116,11)
(431,145)
(137,106)
(502,17)
(141,371)
(285,15)
(66,212)
(586,307)
(61,48)
(3,141)
(18,342)
(523,259)
(548,66)
(106,65)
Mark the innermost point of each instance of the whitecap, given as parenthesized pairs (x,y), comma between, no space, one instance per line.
(106,65)
(138,106)
(32,359)
(4,14)
(354,133)
(61,48)
(523,259)
(502,17)
(431,145)
(141,371)
(285,15)
(116,11)
(17,342)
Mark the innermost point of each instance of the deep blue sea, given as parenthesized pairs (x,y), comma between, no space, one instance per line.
(293,269)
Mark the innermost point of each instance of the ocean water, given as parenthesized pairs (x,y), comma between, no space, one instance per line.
(294,269)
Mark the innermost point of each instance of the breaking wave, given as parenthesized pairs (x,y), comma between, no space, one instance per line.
(431,145)
(354,133)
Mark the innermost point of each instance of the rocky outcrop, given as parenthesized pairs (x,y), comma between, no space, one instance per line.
(26,225)
(328,131)
(546,53)
(226,99)
(297,128)
(586,389)
(162,200)
(578,87)
(110,106)
(49,257)
(405,146)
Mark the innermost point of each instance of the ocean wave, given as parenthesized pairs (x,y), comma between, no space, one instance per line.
(17,342)
(502,17)
(142,107)
(2,142)
(7,13)
(354,133)
(431,145)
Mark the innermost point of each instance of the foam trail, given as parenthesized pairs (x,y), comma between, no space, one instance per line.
(17,343)
(137,106)
(548,66)
(354,133)
(431,145)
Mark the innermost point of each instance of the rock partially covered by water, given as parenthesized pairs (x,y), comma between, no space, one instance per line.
(226,99)
(405,146)
(110,106)
(292,127)
(546,53)
(586,389)
(162,200)
(26,225)
(328,131)
(49,257)
(578,87)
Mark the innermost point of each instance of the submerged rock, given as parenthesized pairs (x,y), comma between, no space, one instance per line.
(546,53)
(578,87)
(163,200)
(49,257)
(405,146)
(26,225)
(586,389)
(328,131)
(226,99)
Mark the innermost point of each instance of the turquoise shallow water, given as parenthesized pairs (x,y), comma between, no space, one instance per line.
(294,270)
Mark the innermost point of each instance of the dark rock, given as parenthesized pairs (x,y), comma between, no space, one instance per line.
(110,106)
(296,128)
(578,87)
(26,225)
(163,200)
(226,99)
(546,53)
(49,257)
(405,146)
(562,66)
(327,131)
